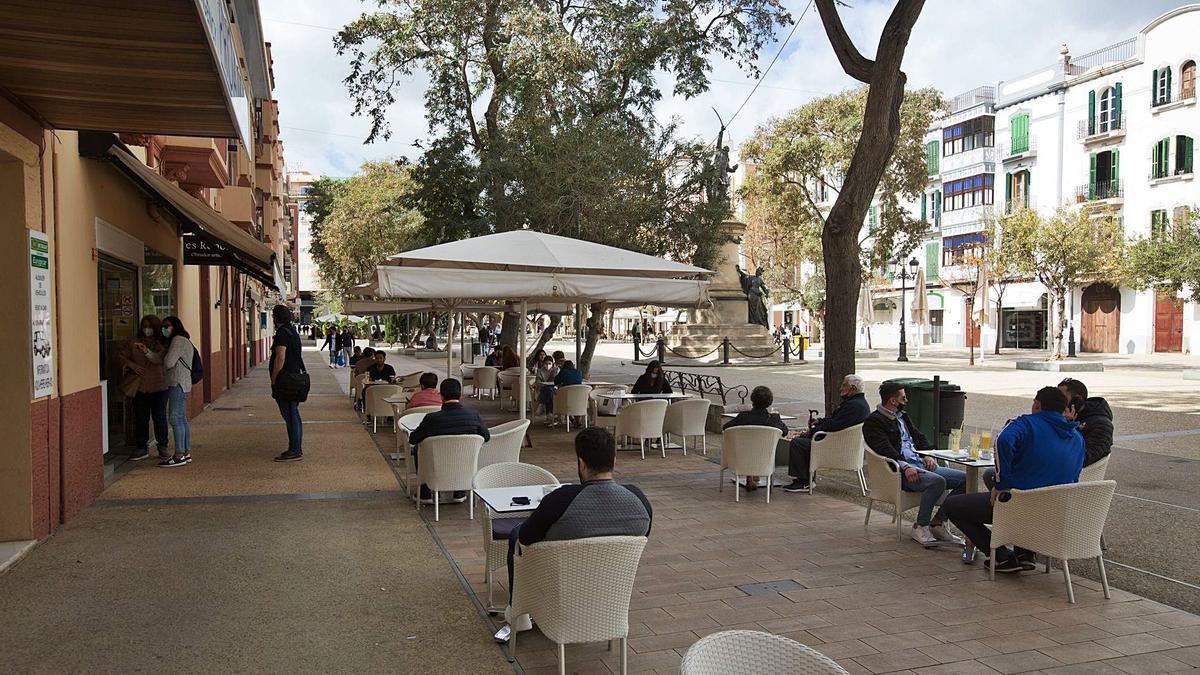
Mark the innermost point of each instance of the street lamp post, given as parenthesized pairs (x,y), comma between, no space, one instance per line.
(1071,324)
(905,274)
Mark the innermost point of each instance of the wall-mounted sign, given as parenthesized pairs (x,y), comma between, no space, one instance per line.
(197,251)
(39,314)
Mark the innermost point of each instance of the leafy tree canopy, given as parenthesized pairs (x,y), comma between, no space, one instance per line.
(1169,259)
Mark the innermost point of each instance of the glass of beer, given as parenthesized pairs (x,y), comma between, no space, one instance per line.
(975,440)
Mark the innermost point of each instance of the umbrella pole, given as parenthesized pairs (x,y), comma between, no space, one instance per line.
(449,343)
(521,399)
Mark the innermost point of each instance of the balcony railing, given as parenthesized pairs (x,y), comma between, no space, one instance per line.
(1121,51)
(1111,189)
(1170,172)
(1111,127)
(1176,95)
(1017,147)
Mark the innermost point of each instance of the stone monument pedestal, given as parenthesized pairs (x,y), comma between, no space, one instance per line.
(706,328)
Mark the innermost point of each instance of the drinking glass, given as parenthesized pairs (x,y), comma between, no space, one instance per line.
(975,446)
(985,440)
(955,439)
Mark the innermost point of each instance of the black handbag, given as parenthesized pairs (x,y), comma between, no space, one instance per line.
(292,387)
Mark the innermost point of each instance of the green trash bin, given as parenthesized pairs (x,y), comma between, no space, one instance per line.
(921,409)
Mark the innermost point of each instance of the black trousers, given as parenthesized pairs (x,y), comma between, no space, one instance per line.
(970,513)
(150,407)
(799,452)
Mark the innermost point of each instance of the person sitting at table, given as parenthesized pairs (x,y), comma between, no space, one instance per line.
(454,419)
(356,355)
(761,399)
(853,410)
(597,507)
(381,370)
(536,361)
(559,357)
(544,380)
(509,358)
(653,381)
(889,432)
(428,394)
(365,362)
(1094,416)
(493,359)
(1036,450)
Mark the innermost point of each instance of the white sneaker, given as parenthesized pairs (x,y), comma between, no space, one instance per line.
(923,536)
(945,536)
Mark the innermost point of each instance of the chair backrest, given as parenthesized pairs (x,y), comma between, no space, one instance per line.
(752,651)
(688,417)
(1061,521)
(512,474)
(883,475)
(750,449)
(410,419)
(423,409)
(375,404)
(466,372)
(411,380)
(449,462)
(557,584)
(1094,471)
(505,443)
(572,399)
(509,377)
(485,377)
(356,383)
(643,419)
(839,449)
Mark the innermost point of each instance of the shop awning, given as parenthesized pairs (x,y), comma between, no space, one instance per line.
(1024,296)
(196,219)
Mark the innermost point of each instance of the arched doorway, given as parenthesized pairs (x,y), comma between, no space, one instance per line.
(1101,324)
(1168,324)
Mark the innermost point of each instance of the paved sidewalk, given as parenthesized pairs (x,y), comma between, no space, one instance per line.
(236,563)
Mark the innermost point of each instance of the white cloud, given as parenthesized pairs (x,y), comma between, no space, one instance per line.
(956,46)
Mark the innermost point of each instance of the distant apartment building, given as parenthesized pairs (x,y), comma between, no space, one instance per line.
(299,183)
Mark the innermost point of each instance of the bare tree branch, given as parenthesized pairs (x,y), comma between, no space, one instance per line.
(853,62)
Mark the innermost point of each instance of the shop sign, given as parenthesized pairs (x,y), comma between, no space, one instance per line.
(197,251)
(39,314)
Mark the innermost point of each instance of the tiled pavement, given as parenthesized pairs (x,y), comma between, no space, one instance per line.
(857,595)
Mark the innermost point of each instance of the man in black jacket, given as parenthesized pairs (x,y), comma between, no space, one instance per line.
(1095,419)
(452,420)
(890,433)
(853,410)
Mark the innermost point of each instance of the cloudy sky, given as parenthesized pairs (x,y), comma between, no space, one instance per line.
(956,46)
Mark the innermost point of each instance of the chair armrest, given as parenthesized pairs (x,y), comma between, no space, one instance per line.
(820,435)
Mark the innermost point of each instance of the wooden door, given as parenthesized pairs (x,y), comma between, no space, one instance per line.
(1101,324)
(1168,324)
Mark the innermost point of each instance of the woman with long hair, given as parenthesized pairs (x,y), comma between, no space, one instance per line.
(509,358)
(653,381)
(177,366)
(141,363)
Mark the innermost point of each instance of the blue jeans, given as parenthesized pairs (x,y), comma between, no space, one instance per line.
(177,416)
(333,355)
(546,394)
(931,485)
(290,410)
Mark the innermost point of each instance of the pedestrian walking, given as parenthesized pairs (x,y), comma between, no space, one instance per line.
(289,381)
(143,381)
(179,368)
(346,346)
(331,341)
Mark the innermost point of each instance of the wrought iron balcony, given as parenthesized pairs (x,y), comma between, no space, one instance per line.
(1111,128)
(1100,190)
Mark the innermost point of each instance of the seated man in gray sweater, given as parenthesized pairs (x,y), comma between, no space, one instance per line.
(596,507)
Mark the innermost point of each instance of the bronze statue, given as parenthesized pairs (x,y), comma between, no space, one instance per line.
(720,169)
(756,295)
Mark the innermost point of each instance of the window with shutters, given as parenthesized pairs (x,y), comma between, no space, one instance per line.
(1104,180)
(1160,159)
(931,260)
(1019,130)
(931,158)
(1107,120)
(872,219)
(1187,80)
(1183,154)
(937,208)
(1158,223)
(1016,191)
(1160,92)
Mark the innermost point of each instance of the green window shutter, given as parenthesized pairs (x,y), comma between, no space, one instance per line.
(924,215)
(1116,107)
(1188,152)
(937,208)
(1115,175)
(1092,178)
(873,222)
(1154,87)
(931,260)
(1183,154)
(1028,187)
(1156,161)
(1167,94)
(1019,129)
(1008,193)
(1092,112)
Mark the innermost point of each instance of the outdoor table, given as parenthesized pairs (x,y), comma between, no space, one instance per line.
(972,467)
(399,416)
(629,396)
(500,499)
(785,418)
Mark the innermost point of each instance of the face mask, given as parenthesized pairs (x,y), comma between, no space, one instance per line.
(148,331)
(900,406)
(654,376)
(166,331)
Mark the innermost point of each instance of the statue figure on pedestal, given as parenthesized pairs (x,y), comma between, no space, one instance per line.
(756,295)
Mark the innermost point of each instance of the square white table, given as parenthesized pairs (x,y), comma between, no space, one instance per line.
(974,468)
(627,396)
(500,499)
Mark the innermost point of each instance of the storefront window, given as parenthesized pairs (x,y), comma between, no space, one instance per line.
(158,284)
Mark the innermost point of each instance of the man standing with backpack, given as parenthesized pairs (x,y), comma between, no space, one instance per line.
(289,380)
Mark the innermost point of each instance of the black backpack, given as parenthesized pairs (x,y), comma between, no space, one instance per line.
(197,366)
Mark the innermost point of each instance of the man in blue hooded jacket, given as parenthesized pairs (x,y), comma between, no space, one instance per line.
(1034,451)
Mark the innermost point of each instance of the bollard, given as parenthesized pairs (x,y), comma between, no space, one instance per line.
(725,350)
(637,351)
(937,411)
(800,349)
(787,351)
(662,351)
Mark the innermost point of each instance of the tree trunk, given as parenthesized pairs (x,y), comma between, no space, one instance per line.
(547,333)
(999,321)
(843,275)
(1060,321)
(592,326)
(508,330)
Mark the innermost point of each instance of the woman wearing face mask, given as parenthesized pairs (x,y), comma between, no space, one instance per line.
(544,381)
(177,365)
(141,365)
(653,381)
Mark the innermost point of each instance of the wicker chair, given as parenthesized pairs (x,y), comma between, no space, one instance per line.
(401,433)
(411,380)
(505,444)
(557,585)
(1061,521)
(356,381)
(604,419)
(508,381)
(838,450)
(376,407)
(643,420)
(504,474)
(485,380)
(748,450)
(750,651)
(1094,471)
(572,401)
(448,463)
(688,418)
(884,477)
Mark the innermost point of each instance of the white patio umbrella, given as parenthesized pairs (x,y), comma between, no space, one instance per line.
(919,312)
(337,316)
(538,267)
(980,303)
(866,309)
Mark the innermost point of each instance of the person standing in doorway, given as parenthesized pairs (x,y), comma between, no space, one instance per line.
(177,367)
(285,358)
(150,400)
